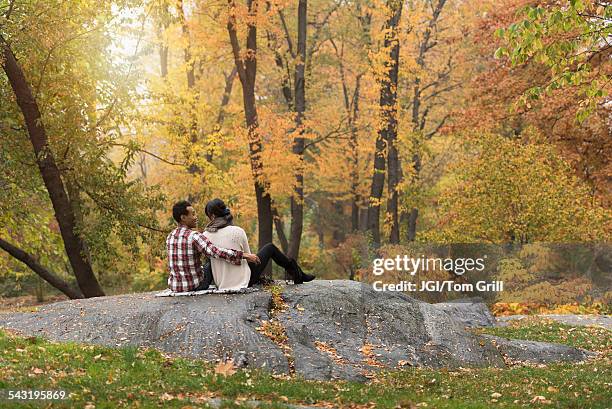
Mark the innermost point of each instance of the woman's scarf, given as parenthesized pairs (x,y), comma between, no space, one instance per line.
(219,222)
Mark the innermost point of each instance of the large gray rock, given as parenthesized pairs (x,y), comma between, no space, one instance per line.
(472,312)
(395,329)
(209,327)
(335,329)
(536,352)
(586,320)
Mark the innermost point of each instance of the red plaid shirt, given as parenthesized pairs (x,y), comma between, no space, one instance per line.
(185,247)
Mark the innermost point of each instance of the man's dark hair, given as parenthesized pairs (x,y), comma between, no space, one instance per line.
(179,209)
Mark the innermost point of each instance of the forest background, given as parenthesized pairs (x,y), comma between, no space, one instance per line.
(337,129)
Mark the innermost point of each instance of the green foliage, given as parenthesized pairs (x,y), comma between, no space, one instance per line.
(353,256)
(86,101)
(542,273)
(568,39)
(147,278)
(515,190)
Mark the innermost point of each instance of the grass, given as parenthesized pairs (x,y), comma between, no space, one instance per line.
(538,329)
(137,377)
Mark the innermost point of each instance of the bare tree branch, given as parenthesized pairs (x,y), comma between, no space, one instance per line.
(437,128)
(44,273)
(10,9)
(287,35)
(125,145)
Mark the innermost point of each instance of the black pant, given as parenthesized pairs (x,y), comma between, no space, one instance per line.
(267,252)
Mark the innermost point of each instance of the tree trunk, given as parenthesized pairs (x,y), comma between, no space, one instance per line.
(392,193)
(354,147)
(187,51)
(412,218)
(227,93)
(338,225)
(378,182)
(351,106)
(40,293)
(414,212)
(358,215)
(50,173)
(389,104)
(418,117)
(363,219)
(247,70)
(45,274)
(297,199)
(190,70)
(280,230)
(387,134)
(163,60)
(161,27)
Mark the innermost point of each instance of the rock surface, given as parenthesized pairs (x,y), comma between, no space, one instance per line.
(472,312)
(536,352)
(604,321)
(336,329)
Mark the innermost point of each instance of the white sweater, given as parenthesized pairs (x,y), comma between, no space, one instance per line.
(230,276)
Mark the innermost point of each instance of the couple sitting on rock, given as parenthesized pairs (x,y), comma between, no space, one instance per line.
(232,265)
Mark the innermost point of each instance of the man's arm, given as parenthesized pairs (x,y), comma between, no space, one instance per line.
(204,245)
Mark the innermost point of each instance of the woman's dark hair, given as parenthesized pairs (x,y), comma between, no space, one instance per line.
(217,208)
(179,209)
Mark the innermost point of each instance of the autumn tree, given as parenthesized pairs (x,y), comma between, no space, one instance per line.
(246,65)
(49,170)
(506,190)
(571,40)
(387,133)
(349,66)
(507,98)
(429,79)
(68,133)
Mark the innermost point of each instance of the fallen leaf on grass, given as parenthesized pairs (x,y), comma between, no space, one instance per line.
(166,396)
(225,368)
(540,399)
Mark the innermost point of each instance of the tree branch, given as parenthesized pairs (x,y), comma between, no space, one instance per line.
(287,35)
(440,124)
(125,145)
(233,35)
(99,202)
(44,273)
(10,10)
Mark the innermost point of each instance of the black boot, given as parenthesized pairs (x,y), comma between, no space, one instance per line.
(305,276)
(293,272)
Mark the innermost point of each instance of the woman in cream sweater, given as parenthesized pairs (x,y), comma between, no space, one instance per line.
(221,232)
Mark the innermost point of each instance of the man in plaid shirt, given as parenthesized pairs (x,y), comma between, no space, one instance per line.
(185,247)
